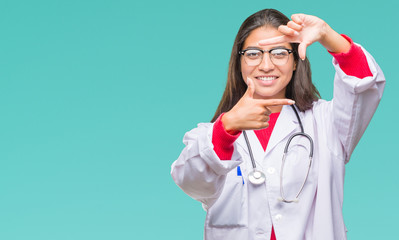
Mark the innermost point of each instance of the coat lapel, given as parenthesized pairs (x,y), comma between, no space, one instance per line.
(256,148)
(286,124)
(253,141)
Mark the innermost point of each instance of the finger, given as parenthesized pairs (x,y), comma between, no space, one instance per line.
(262,125)
(287,30)
(294,25)
(275,40)
(267,111)
(302,50)
(298,18)
(251,87)
(276,102)
(264,118)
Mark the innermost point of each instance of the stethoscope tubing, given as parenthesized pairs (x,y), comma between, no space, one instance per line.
(250,150)
(257,177)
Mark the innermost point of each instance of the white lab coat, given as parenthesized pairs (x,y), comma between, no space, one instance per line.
(237,209)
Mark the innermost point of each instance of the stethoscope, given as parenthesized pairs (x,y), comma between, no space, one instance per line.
(257,177)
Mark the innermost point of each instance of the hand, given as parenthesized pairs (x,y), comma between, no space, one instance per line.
(303,29)
(250,113)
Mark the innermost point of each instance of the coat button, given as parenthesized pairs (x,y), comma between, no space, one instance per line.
(271,170)
(278,217)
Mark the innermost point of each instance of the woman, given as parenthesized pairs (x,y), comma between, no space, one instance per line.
(269,96)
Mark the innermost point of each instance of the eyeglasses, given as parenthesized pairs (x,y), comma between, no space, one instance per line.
(278,56)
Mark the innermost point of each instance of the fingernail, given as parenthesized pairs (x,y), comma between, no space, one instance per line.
(291,102)
(296,33)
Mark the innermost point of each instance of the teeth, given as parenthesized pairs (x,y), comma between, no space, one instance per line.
(267,78)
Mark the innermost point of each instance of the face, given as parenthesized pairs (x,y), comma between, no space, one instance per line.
(270,80)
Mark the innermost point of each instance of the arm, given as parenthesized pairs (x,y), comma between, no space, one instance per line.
(356,97)
(222,140)
(358,84)
(354,62)
(198,171)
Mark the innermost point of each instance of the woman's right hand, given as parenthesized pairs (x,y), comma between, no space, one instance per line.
(250,113)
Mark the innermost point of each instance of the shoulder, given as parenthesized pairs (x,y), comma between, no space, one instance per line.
(320,113)
(318,108)
(201,129)
(320,105)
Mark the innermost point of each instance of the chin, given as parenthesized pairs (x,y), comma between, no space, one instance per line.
(270,95)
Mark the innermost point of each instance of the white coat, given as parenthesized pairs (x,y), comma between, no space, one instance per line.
(237,209)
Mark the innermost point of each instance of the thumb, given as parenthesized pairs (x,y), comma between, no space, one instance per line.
(251,87)
(302,50)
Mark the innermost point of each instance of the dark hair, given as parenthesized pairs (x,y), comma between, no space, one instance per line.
(300,88)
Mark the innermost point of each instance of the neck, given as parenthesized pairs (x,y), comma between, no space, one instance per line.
(275,109)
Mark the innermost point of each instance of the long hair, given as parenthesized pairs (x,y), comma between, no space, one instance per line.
(300,88)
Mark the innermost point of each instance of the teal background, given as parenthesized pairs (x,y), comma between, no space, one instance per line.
(95,97)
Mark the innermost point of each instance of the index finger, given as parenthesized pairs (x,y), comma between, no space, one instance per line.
(276,102)
(274,40)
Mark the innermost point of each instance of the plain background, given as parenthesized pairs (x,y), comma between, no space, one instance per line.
(95,97)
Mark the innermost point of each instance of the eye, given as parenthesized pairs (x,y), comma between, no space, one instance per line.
(253,54)
(279,53)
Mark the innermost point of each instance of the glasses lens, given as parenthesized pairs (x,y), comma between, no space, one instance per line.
(253,57)
(279,56)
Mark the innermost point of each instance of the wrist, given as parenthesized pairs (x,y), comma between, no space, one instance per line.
(333,41)
(227,124)
(325,32)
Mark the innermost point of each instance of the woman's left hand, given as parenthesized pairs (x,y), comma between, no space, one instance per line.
(305,30)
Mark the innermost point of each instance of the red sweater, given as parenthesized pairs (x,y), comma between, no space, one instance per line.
(352,63)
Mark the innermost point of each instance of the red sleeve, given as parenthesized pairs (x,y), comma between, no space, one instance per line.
(353,62)
(223,141)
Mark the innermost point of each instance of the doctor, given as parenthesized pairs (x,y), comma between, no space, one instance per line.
(270,96)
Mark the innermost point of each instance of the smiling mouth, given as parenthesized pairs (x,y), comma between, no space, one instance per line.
(266,78)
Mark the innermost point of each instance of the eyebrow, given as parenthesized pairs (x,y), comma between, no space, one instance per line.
(257,48)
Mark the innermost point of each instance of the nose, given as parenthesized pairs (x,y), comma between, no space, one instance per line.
(266,64)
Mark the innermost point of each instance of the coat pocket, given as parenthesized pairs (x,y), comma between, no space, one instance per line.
(230,210)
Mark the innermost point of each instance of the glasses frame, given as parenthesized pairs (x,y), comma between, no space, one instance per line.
(242,52)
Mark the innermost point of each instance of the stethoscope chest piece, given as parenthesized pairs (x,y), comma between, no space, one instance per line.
(256,177)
